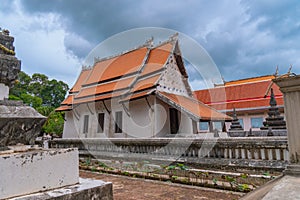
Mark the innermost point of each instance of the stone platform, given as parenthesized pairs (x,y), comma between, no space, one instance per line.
(286,187)
(29,169)
(86,189)
(30,172)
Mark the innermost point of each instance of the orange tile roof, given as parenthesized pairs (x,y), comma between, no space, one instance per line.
(137,95)
(68,100)
(81,79)
(118,66)
(157,58)
(63,108)
(106,87)
(192,107)
(250,80)
(246,95)
(97,98)
(146,83)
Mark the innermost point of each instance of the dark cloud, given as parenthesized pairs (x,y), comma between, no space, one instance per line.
(244,38)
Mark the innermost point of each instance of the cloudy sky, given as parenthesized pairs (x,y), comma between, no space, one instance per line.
(244,38)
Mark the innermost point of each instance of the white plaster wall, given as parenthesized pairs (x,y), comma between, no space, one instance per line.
(186,125)
(70,126)
(162,121)
(140,123)
(172,80)
(39,170)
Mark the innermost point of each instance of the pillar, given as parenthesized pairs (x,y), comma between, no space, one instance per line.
(290,87)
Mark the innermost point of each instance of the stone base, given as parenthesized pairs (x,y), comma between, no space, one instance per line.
(19,123)
(27,169)
(86,189)
(293,170)
(237,133)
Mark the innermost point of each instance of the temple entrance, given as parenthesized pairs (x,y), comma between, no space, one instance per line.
(174,120)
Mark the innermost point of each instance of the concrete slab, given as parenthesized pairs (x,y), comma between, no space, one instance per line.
(37,170)
(286,187)
(86,189)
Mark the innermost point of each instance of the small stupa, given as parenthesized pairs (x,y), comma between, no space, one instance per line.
(18,123)
(236,129)
(274,120)
(28,171)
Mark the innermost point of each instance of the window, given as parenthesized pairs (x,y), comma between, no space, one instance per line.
(100,122)
(174,121)
(218,126)
(256,122)
(203,126)
(85,123)
(241,122)
(118,122)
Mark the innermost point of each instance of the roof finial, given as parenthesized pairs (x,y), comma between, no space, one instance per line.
(290,69)
(276,72)
(223,79)
(149,42)
(234,114)
(174,37)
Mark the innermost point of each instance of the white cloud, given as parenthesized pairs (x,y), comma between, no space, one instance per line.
(40,44)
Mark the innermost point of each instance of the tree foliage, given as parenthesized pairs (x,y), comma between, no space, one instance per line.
(44,95)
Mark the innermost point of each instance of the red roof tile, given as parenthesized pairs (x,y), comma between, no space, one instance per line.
(246,95)
(193,107)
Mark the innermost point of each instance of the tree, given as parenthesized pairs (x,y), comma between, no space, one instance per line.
(44,95)
(54,123)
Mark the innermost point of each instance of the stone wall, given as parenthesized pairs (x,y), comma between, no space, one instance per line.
(256,152)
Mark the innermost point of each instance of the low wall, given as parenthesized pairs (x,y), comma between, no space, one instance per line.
(254,152)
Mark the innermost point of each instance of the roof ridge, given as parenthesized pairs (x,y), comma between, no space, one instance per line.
(148,43)
(86,67)
(243,79)
(172,38)
(234,85)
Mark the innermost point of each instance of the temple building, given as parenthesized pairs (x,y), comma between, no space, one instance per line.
(249,97)
(143,92)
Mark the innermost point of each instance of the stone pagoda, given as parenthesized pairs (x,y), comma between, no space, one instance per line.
(274,120)
(28,171)
(236,129)
(18,123)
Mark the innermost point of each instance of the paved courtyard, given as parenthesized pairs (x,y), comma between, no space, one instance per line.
(125,188)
